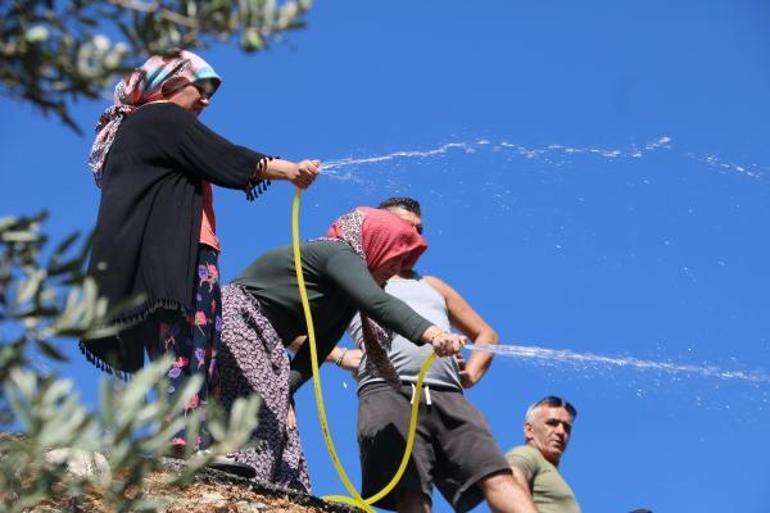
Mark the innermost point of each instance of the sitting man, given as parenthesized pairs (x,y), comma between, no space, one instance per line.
(535,465)
(453,448)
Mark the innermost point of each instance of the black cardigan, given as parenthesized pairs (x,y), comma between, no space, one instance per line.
(148,226)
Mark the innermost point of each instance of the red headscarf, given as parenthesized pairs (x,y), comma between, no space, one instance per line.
(378,236)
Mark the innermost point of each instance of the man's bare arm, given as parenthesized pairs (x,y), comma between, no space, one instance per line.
(521,474)
(297,343)
(348,359)
(470,324)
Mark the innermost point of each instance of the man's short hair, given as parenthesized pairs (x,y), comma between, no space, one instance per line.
(552,401)
(410,204)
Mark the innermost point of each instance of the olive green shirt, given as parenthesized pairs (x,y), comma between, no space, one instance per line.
(338,284)
(550,491)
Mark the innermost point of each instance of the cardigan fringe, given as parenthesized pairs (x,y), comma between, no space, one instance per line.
(257,186)
(102,365)
(125,323)
(256,189)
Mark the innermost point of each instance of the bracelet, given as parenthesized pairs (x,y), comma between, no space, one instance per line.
(338,361)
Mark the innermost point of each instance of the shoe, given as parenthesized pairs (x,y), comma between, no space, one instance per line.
(228,464)
(225,463)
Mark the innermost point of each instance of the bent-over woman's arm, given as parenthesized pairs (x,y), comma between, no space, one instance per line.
(348,272)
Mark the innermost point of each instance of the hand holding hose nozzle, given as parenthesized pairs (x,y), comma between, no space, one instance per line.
(447,344)
(300,174)
(305,173)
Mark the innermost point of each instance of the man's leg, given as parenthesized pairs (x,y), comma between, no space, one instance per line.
(504,495)
(411,501)
(471,467)
(383,419)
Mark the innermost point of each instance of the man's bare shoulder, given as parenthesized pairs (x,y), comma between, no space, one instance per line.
(440,285)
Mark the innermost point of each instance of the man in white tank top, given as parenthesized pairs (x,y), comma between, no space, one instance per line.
(454,449)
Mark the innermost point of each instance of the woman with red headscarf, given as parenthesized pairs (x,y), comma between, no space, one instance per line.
(344,273)
(155,246)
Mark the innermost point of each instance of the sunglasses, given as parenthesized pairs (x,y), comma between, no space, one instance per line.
(557,402)
(206,88)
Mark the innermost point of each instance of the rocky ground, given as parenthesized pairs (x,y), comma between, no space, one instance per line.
(210,492)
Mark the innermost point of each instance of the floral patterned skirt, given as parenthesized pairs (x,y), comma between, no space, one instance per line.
(253,360)
(193,342)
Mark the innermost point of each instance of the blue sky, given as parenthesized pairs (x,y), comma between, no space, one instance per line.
(659,254)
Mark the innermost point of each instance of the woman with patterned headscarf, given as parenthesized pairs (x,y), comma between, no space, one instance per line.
(344,273)
(155,247)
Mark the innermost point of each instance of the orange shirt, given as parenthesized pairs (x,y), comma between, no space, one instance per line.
(208,221)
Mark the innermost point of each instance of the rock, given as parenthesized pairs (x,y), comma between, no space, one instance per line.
(212,498)
(84,464)
(251,507)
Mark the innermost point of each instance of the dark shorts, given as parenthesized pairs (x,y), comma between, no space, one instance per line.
(453,447)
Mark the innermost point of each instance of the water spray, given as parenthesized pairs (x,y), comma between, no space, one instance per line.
(567,356)
(332,168)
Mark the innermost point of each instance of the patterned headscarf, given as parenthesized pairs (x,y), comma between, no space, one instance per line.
(156,79)
(378,236)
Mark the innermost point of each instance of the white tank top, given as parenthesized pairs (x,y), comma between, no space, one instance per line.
(406,356)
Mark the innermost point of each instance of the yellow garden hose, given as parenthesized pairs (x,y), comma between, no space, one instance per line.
(355,498)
